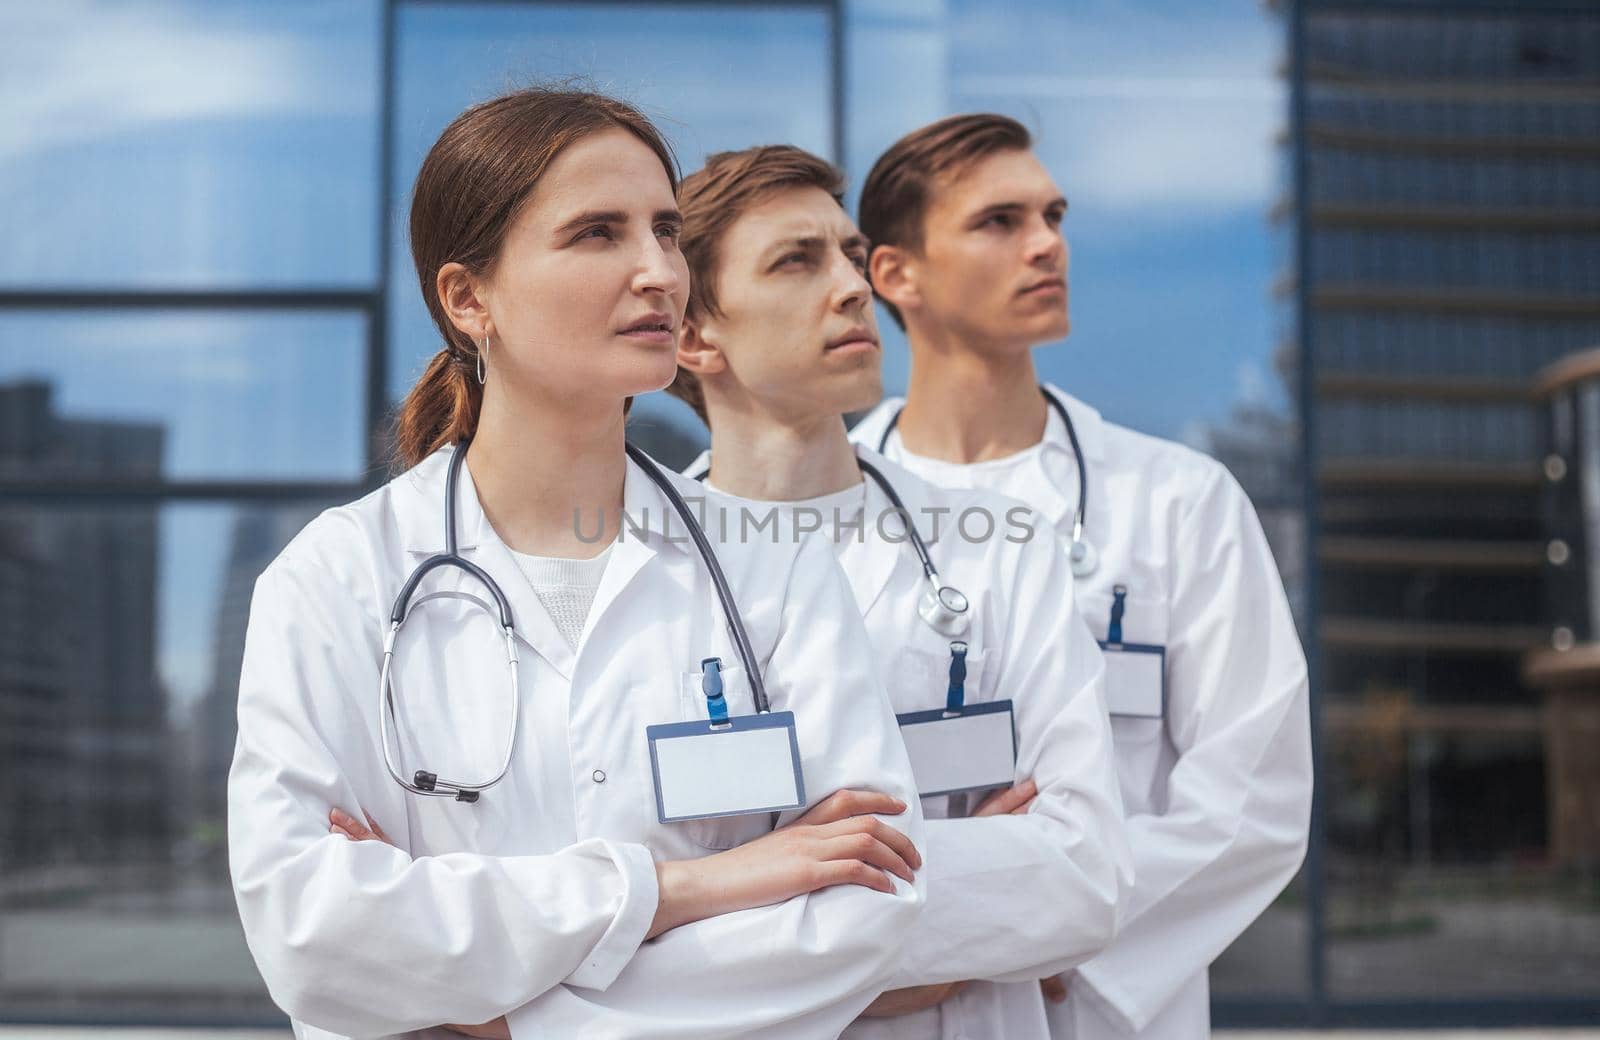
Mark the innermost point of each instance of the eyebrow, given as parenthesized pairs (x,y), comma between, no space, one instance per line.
(1016,207)
(615,216)
(811,244)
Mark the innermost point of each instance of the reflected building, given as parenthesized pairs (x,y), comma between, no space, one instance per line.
(1260,447)
(259,534)
(84,712)
(1452,162)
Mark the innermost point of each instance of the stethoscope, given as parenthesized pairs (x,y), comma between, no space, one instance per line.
(1083,555)
(424,782)
(943,607)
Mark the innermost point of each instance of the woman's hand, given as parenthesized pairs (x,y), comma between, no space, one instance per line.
(837,842)
(341,822)
(1014,801)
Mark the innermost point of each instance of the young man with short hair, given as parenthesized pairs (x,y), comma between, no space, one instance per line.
(1206,681)
(779,343)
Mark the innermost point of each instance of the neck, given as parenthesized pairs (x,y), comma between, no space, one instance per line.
(540,466)
(757,455)
(964,405)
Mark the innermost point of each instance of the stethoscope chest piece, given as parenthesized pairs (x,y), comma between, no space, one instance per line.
(945,609)
(1085,558)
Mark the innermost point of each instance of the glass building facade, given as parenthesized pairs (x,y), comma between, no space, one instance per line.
(207,309)
(1447,224)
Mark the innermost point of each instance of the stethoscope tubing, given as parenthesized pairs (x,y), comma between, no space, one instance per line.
(388,713)
(1081,512)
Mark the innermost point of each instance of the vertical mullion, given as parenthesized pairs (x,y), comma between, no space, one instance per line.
(837,55)
(377,406)
(1315,875)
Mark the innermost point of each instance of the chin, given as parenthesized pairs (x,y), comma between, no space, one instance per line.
(649,375)
(855,392)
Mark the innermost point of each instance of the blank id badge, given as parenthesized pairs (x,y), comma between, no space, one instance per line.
(1136,673)
(1136,680)
(734,767)
(968,748)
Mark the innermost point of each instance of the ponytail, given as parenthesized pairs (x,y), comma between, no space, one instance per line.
(441,409)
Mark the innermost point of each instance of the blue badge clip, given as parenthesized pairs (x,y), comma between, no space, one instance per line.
(1118,605)
(955,697)
(711,685)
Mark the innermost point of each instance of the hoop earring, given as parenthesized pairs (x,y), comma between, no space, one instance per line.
(482,369)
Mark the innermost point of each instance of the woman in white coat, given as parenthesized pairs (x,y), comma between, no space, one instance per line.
(779,343)
(544,232)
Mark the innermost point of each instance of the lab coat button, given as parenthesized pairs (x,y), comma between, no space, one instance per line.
(599,776)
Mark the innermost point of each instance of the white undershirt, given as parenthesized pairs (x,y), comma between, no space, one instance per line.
(566,588)
(836,508)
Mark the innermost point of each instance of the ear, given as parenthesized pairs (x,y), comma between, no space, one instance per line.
(698,354)
(461,294)
(893,272)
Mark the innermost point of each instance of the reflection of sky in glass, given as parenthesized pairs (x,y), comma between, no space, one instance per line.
(1157,122)
(231,144)
(712,77)
(241,396)
(188,143)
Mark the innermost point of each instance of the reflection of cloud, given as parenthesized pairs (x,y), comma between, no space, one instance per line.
(81,69)
(1137,146)
(1139,109)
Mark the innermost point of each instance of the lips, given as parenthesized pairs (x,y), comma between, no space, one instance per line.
(858,336)
(1044,285)
(650,323)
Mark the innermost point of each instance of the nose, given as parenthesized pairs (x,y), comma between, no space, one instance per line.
(1047,247)
(852,290)
(661,268)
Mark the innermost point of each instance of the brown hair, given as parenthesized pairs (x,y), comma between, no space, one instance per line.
(896,194)
(471,186)
(712,201)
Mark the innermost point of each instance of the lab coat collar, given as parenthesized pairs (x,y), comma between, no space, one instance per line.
(651,518)
(1086,420)
(870,576)
(420,517)
(867,562)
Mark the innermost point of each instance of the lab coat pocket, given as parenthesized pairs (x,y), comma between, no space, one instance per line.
(921,678)
(1138,731)
(724,832)
(921,681)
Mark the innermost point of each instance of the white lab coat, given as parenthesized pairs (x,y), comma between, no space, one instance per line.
(1218,794)
(535,901)
(1009,897)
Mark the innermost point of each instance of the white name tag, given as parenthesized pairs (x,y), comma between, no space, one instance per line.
(1136,680)
(749,764)
(969,751)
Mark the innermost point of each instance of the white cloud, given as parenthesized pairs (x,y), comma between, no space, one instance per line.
(1139,110)
(81,69)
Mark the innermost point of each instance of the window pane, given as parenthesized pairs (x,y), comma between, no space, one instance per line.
(121,635)
(712,77)
(182,396)
(200,144)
